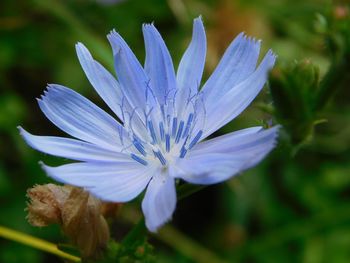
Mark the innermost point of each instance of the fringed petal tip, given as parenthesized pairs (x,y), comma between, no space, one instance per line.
(198,19)
(275,130)
(272,55)
(114,35)
(147,25)
(49,92)
(80,45)
(115,40)
(52,87)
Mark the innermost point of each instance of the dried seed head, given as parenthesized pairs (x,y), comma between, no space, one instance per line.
(45,204)
(78,213)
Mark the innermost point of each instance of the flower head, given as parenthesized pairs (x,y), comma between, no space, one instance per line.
(164,117)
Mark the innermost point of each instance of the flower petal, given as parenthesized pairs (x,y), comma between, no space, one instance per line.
(103,81)
(159,202)
(109,90)
(71,148)
(159,65)
(82,119)
(228,141)
(190,70)
(229,154)
(238,98)
(130,73)
(115,182)
(238,62)
(198,169)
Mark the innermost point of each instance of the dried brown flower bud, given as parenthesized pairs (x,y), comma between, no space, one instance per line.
(45,204)
(78,213)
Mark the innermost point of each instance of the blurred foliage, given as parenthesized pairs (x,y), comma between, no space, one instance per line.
(293,207)
(294,91)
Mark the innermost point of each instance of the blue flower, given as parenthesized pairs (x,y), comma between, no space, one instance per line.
(163,119)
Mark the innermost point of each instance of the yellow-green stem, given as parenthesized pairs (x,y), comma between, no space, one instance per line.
(35,243)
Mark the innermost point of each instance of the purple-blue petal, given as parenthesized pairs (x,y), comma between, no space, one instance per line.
(227,107)
(72,149)
(131,75)
(190,70)
(158,65)
(220,158)
(79,117)
(114,182)
(159,202)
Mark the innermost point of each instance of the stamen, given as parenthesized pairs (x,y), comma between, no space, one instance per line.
(195,139)
(139,146)
(138,159)
(183,152)
(174,128)
(179,132)
(153,133)
(188,125)
(167,142)
(160,156)
(161,129)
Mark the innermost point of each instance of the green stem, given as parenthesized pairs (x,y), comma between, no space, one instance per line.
(35,243)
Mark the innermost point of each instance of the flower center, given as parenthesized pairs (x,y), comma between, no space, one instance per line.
(166,140)
(167,131)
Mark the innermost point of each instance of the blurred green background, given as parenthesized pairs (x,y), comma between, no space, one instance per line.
(293,207)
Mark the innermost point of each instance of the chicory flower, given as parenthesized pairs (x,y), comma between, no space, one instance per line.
(163,118)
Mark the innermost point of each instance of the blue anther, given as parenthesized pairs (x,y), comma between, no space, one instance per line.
(183,152)
(153,133)
(167,142)
(161,129)
(139,146)
(174,128)
(160,156)
(188,125)
(138,159)
(179,132)
(195,139)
